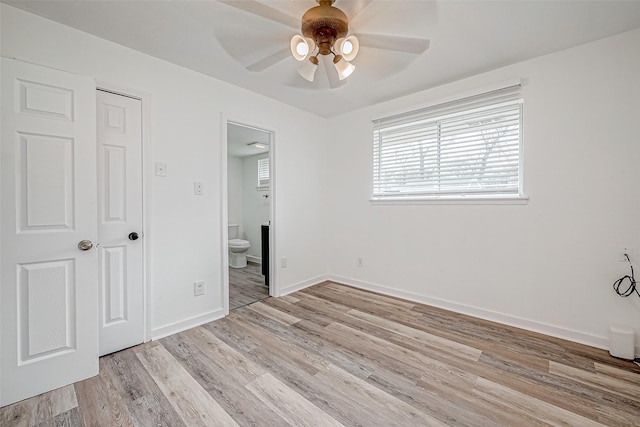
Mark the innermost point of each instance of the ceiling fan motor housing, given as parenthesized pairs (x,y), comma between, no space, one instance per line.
(324,24)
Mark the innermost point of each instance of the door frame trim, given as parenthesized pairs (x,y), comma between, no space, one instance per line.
(274,286)
(145,99)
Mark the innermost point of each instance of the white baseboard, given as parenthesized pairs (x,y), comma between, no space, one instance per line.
(518,322)
(301,285)
(183,325)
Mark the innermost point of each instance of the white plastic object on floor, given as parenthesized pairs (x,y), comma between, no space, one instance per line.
(622,342)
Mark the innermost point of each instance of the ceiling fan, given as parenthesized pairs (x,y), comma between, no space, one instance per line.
(325,31)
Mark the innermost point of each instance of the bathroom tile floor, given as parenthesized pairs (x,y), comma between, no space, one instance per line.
(246,285)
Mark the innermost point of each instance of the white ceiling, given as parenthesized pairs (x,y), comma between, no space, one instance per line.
(239,137)
(467,38)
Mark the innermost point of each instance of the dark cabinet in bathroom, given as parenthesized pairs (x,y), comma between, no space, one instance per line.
(265,253)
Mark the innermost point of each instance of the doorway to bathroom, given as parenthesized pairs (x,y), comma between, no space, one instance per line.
(249,200)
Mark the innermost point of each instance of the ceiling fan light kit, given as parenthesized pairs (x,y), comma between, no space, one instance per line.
(301,47)
(308,68)
(324,28)
(348,47)
(343,67)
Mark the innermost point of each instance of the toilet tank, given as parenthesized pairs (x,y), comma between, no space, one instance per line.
(234,230)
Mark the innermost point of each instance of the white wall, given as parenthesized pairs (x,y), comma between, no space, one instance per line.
(184,231)
(256,209)
(547,265)
(235,188)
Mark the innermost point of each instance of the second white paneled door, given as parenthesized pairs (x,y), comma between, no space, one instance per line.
(120,252)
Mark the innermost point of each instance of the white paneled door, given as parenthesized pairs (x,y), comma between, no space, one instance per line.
(120,222)
(49,274)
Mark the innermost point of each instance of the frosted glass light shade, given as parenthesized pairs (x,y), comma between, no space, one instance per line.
(308,69)
(301,47)
(344,68)
(348,47)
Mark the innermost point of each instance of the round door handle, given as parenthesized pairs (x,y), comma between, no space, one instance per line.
(133,236)
(85,245)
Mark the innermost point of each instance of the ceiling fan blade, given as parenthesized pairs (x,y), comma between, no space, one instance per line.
(399,43)
(356,7)
(256,8)
(270,60)
(332,74)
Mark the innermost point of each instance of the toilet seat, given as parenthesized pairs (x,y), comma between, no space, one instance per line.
(239,244)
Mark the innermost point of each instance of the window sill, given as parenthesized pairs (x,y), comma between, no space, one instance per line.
(452,200)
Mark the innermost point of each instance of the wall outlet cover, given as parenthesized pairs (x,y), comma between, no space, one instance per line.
(198,288)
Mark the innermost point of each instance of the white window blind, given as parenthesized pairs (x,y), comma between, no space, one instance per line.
(468,147)
(263,172)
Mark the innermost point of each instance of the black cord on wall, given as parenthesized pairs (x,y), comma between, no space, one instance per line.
(631,288)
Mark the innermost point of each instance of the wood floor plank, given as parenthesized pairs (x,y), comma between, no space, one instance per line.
(298,310)
(100,404)
(611,416)
(40,410)
(271,347)
(530,409)
(308,336)
(290,299)
(307,339)
(70,418)
(277,315)
(63,400)
(223,377)
(237,368)
(293,408)
(246,285)
(624,375)
(331,355)
(154,410)
(394,411)
(434,341)
(411,362)
(194,405)
(376,299)
(611,384)
(141,394)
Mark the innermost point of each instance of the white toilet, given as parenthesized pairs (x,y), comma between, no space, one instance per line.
(237,248)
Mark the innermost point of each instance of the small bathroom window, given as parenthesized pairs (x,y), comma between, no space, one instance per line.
(263,173)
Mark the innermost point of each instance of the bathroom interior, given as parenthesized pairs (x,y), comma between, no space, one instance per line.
(249,202)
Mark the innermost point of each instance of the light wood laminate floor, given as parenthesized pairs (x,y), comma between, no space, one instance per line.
(332,355)
(246,285)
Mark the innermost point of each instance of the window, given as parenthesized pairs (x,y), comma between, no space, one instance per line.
(466,148)
(263,173)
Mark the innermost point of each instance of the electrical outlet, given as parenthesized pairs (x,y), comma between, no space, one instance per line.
(283,262)
(198,288)
(360,261)
(625,250)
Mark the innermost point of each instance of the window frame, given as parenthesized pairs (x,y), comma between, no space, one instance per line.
(506,96)
(264,184)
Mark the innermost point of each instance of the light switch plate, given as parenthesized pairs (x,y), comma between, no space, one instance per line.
(161,169)
(198,189)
